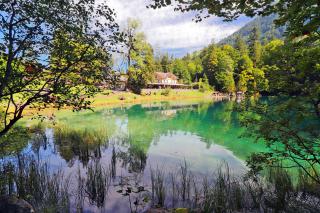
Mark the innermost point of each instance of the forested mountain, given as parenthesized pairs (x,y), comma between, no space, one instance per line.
(268,30)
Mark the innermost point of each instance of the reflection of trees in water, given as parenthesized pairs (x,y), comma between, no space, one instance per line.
(86,136)
(82,144)
(142,126)
(39,140)
(14,141)
(134,159)
(97,183)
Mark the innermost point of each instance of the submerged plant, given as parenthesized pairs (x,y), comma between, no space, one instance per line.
(97,183)
(158,186)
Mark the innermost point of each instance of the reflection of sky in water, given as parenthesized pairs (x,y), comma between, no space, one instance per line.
(173,149)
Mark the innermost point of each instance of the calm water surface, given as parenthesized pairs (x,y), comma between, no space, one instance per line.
(143,136)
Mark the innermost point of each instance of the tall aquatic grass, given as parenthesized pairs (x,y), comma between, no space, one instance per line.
(158,186)
(32,181)
(97,183)
(222,192)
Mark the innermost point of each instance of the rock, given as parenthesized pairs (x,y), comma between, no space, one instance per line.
(157,210)
(162,210)
(14,205)
(181,210)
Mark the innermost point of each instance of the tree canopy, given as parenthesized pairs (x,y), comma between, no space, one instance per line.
(140,57)
(51,52)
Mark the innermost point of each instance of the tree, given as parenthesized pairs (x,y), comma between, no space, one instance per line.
(272,55)
(31,46)
(166,63)
(301,17)
(140,58)
(251,80)
(142,71)
(293,116)
(255,46)
(244,73)
(131,33)
(241,46)
(272,51)
(220,70)
(203,84)
(180,68)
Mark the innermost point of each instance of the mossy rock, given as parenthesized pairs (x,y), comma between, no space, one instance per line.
(14,205)
(181,210)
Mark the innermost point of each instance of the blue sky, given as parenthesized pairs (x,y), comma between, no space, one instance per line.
(173,32)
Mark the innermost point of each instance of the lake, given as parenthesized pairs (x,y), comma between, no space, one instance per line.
(134,142)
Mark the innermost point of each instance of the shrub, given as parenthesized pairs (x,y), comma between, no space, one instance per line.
(203,86)
(106,93)
(166,92)
(122,98)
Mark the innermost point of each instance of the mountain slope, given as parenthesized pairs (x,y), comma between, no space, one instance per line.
(267,28)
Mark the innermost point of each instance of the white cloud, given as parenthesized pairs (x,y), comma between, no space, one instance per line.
(170,30)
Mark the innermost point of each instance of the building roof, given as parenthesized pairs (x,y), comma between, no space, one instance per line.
(165,75)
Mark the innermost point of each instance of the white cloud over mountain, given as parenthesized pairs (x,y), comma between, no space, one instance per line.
(172,31)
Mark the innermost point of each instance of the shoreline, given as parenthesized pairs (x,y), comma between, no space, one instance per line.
(121,98)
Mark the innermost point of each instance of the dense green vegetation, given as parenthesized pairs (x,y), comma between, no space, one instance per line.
(52,53)
(225,68)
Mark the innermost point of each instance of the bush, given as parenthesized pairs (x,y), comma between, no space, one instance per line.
(122,98)
(203,86)
(106,93)
(166,92)
(202,89)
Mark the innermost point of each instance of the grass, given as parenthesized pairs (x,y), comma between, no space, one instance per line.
(113,98)
(221,192)
(158,186)
(118,98)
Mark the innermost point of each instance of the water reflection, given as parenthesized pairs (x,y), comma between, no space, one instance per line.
(108,154)
(81,145)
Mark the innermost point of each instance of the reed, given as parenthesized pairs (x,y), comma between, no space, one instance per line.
(32,181)
(307,185)
(172,177)
(97,183)
(80,192)
(283,188)
(221,192)
(158,186)
(185,180)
